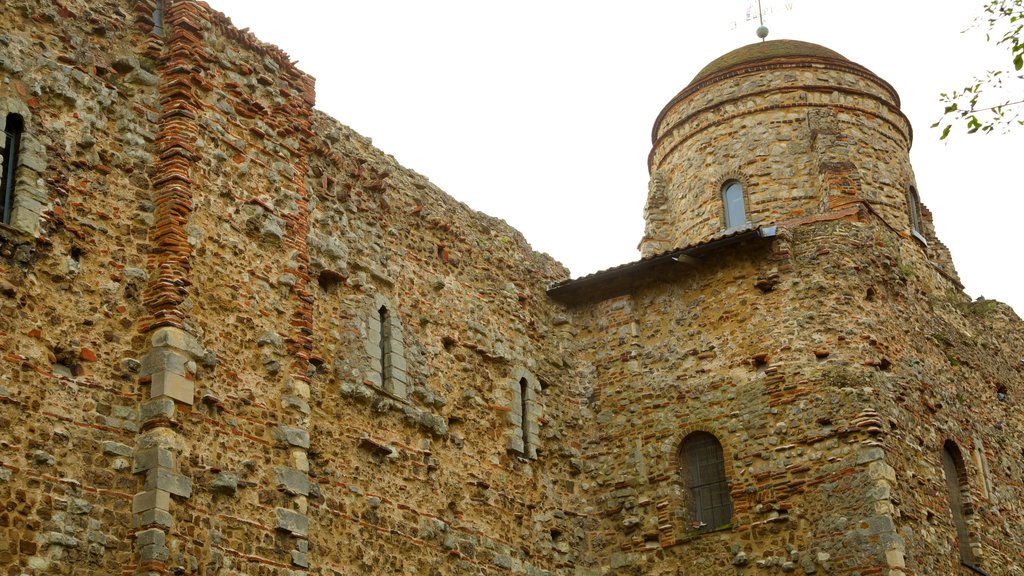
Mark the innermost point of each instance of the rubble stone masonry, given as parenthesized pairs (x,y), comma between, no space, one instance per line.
(238,339)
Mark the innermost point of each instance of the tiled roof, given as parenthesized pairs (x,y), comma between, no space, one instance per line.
(568,288)
(766,51)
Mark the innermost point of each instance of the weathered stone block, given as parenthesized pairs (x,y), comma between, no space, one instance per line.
(156,409)
(397,361)
(173,386)
(866,455)
(150,458)
(164,360)
(291,522)
(153,517)
(295,403)
(397,388)
(292,481)
(154,552)
(291,435)
(225,483)
(150,537)
(176,338)
(116,449)
(169,481)
(151,499)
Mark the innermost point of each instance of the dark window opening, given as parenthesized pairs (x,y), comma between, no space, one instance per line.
(385,345)
(956,486)
(524,387)
(12,141)
(702,466)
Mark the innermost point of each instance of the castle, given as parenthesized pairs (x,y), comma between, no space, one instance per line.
(238,339)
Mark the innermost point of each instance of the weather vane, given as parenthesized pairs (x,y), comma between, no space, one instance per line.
(765,10)
(762,30)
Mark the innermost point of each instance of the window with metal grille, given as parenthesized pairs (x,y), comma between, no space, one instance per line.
(12,140)
(703,471)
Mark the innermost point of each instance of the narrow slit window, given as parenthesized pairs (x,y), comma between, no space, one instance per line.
(524,388)
(733,202)
(158,17)
(385,344)
(913,204)
(12,140)
(702,464)
(956,485)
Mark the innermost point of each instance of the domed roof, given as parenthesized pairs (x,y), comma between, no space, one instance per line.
(766,51)
(770,54)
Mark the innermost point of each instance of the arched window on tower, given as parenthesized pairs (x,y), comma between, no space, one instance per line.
(13,127)
(702,470)
(914,207)
(735,209)
(957,487)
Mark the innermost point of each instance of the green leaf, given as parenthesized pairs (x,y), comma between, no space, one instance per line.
(945,131)
(951,108)
(1018,61)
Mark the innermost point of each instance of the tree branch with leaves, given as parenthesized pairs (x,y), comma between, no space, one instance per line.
(984,104)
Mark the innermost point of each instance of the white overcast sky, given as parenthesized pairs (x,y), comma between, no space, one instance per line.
(540,111)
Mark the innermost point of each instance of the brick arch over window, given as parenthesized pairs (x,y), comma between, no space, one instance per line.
(958,490)
(385,346)
(702,472)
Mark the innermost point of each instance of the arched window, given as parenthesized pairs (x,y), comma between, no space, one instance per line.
(914,207)
(385,344)
(702,469)
(385,347)
(524,407)
(734,206)
(524,415)
(957,488)
(13,126)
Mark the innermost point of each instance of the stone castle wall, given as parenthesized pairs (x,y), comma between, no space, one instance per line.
(190,380)
(238,339)
(832,414)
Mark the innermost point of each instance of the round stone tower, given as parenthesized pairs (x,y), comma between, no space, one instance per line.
(771,133)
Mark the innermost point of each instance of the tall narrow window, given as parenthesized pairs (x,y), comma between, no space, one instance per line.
(12,140)
(732,200)
(524,392)
(385,344)
(914,207)
(702,467)
(386,366)
(158,17)
(956,484)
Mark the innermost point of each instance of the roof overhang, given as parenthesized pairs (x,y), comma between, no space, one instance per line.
(620,278)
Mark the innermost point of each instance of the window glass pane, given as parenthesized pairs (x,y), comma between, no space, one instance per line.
(915,214)
(735,212)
